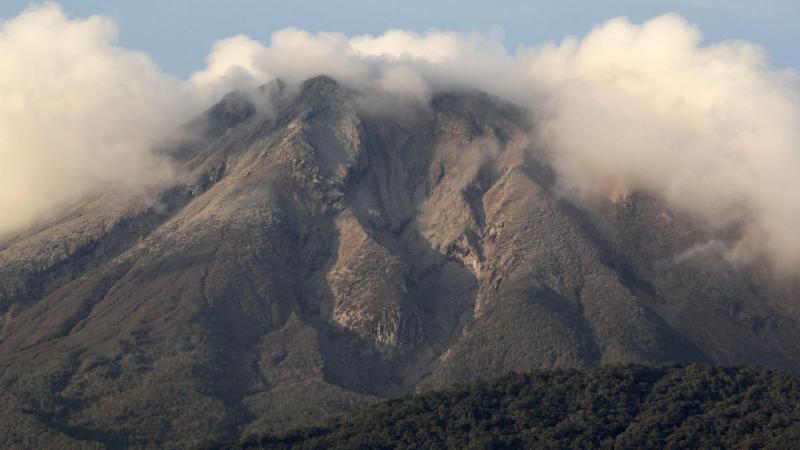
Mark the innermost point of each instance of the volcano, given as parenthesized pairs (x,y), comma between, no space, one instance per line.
(317,254)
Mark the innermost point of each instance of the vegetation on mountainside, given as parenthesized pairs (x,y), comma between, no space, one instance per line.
(681,406)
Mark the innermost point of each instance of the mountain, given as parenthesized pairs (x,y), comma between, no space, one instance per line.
(633,407)
(323,248)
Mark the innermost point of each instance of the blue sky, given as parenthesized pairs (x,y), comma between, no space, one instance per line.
(179,33)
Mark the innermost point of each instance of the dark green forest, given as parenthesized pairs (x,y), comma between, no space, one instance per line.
(674,407)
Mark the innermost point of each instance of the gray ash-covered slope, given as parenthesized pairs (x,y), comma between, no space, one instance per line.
(320,254)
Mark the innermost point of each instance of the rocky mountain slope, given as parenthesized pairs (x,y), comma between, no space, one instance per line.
(323,253)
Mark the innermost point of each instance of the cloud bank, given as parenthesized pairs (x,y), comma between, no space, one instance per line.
(710,128)
(77,114)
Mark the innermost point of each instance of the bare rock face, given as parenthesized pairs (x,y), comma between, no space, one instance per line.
(320,255)
(370,292)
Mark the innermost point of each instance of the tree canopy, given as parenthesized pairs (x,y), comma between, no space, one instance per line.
(679,406)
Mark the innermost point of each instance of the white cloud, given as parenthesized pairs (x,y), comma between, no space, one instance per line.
(76,113)
(711,128)
(234,63)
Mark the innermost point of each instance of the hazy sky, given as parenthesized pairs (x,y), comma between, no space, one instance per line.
(179,33)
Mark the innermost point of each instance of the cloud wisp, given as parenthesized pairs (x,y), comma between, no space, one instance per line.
(711,128)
